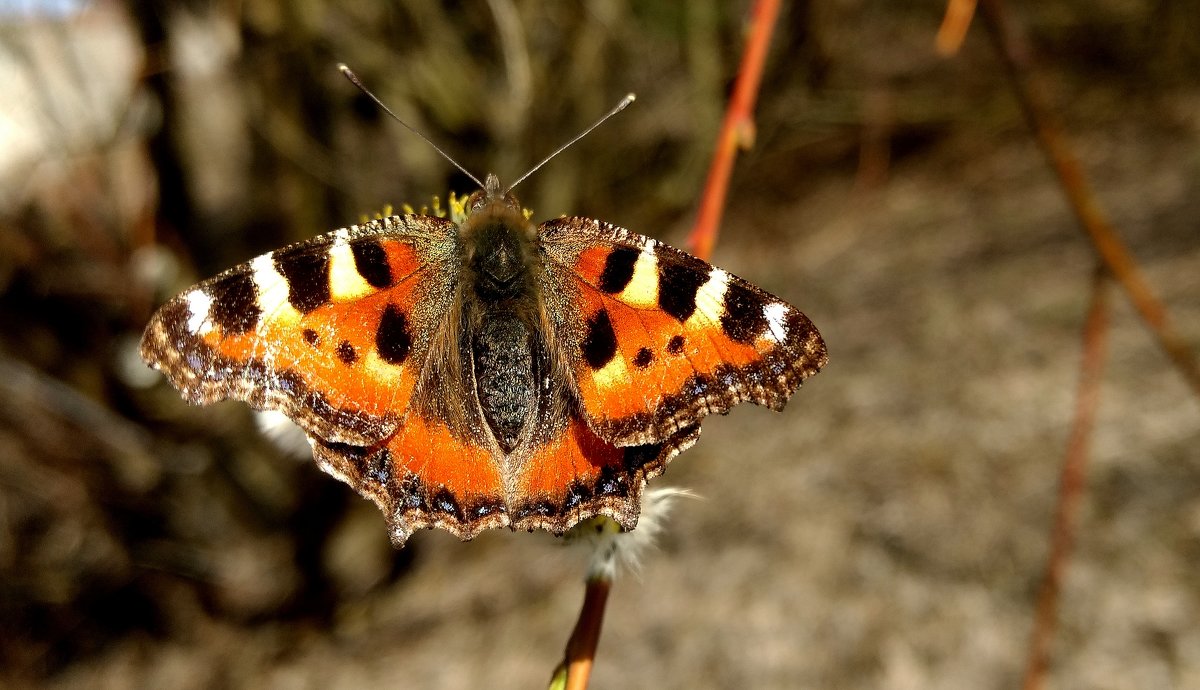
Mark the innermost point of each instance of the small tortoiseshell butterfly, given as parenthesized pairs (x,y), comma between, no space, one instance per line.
(489,373)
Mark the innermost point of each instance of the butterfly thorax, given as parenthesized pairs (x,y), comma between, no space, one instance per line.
(499,249)
(501,312)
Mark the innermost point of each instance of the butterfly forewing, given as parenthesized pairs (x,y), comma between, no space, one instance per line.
(662,339)
(332,331)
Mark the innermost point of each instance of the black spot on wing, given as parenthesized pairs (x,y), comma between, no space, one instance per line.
(392,338)
(612,482)
(380,468)
(235,304)
(311,337)
(539,508)
(643,358)
(307,274)
(618,269)
(637,457)
(675,344)
(677,286)
(346,352)
(484,508)
(743,319)
(371,262)
(577,493)
(443,501)
(375,465)
(410,493)
(600,343)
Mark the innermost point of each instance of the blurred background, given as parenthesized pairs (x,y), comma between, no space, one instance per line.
(887,530)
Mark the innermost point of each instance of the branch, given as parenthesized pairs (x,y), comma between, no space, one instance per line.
(955,23)
(1071,482)
(576,668)
(1017,59)
(737,129)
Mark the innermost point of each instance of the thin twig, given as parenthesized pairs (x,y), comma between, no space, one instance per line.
(955,23)
(576,668)
(1071,482)
(1017,59)
(737,129)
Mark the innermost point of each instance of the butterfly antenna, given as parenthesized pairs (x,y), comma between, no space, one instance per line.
(629,98)
(349,74)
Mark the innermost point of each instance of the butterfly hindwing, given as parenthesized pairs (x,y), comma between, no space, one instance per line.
(659,338)
(333,331)
(423,475)
(576,474)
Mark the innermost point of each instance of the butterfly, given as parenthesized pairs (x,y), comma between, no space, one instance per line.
(486,373)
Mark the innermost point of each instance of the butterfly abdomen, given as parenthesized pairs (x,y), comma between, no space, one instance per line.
(502,352)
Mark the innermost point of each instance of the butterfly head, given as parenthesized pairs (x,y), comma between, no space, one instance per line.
(491,198)
(500,242)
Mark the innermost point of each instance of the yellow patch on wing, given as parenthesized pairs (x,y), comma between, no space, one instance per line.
(345,282)
(379,369)
(612,375)
(642,290)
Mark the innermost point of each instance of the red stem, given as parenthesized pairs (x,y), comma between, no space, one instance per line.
(736,129)
(1071,482)
(585,638)
(955,23)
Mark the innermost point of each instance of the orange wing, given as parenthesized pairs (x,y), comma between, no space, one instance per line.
(336,333)
(575,475)
(659,338)
(333,331)
(424,476)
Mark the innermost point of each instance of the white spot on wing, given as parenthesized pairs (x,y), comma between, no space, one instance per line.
(199,305)
(776,314)
(272,291)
